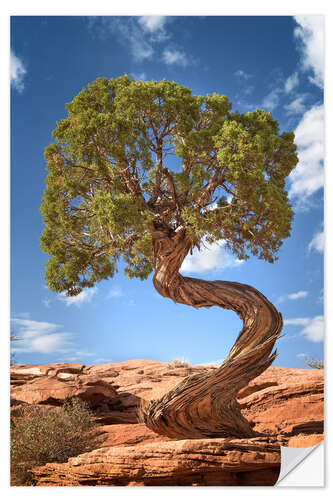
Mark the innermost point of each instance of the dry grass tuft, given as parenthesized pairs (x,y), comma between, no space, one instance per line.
(178,363)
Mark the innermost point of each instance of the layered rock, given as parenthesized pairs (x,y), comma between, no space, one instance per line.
(116,390)
(57,389)
(194,462)
(21,374)
(285,405)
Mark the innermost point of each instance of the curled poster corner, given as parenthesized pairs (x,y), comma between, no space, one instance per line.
(302,466)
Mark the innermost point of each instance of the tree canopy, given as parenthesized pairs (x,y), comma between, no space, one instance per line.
(132,157)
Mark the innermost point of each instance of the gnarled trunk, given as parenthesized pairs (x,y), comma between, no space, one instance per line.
(205,405)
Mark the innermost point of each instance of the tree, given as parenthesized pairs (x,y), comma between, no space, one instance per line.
(315,363)
(13,338)
(111,193)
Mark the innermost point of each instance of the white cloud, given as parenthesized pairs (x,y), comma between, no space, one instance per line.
(84,297)
(308,176)
(102,360)
(141,49)
(298,295)
(23,315)
(310,33)
(142,36)
(296,107)
(127,30)
(175,57)
(39,336)
(17,72)
(45,338)
(317,242)
(314,331)
(139,76)
(114,292)
(212,257)
(242,74)
(76,356)
(46,302)
(313,327)
(85,353)
(30,328)
(48,343)
(271,100)
(293,296)
(291,83)
(296,321)
(152,23)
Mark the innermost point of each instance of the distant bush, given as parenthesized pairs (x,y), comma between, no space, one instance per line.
(314,363)
(37,438)
(13,338)
(178,363)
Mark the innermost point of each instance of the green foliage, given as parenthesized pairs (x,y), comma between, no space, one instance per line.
(108,185)
(37,438)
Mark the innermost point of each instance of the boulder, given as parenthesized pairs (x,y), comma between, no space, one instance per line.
(57,389)
(193,462)
(21,374)
(286,402)
(127,435)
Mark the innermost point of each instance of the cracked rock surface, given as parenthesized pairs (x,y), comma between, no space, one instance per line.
(283,404)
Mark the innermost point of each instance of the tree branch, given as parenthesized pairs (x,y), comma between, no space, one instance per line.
(216,180)
(169,177)
(158,178)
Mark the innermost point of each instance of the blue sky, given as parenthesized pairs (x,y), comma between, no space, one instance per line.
(270,62)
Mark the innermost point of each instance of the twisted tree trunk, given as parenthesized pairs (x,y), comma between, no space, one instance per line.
(205,405)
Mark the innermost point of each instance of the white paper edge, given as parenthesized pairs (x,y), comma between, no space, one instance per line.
(302,466)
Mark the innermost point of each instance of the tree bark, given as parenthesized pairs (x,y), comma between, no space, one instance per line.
(205,405)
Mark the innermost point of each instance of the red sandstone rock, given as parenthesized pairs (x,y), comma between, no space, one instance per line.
(279,402)
(127,435)
(285,404)
(23,373)
(211,462)
(55,390)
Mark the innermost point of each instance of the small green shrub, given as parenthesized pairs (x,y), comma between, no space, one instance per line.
(54,436)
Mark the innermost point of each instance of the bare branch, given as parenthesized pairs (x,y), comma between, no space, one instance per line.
(216,180)
(158,178)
